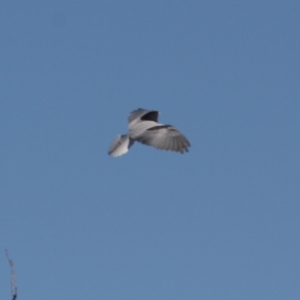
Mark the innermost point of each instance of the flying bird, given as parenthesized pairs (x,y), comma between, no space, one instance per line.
(144,128)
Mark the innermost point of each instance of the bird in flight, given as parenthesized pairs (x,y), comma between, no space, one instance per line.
(144,128)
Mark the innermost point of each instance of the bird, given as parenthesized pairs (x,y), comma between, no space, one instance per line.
(144,128)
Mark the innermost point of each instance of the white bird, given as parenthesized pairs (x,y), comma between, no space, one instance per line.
(144,128)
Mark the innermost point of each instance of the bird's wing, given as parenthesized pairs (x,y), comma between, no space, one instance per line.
(142,115)
(165,137)
(120,145)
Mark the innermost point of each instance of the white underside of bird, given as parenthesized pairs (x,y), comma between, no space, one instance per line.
(144,128)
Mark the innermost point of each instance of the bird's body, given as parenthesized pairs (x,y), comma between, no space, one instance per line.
(144,128)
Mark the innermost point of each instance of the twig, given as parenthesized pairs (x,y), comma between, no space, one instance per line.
(14,289)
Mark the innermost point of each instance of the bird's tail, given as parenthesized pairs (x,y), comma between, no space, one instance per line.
(120,145)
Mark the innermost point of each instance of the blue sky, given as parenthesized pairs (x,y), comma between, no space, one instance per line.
(220,222)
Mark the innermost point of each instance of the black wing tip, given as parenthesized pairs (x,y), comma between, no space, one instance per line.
(185,150)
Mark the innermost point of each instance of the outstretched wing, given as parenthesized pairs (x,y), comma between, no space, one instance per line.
(143,115)
(165,137)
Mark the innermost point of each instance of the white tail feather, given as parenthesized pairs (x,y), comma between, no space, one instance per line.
(120,145)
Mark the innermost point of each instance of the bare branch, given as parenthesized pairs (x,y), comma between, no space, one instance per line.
(14,289)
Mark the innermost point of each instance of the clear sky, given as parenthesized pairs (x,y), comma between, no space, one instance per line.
(220,222)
